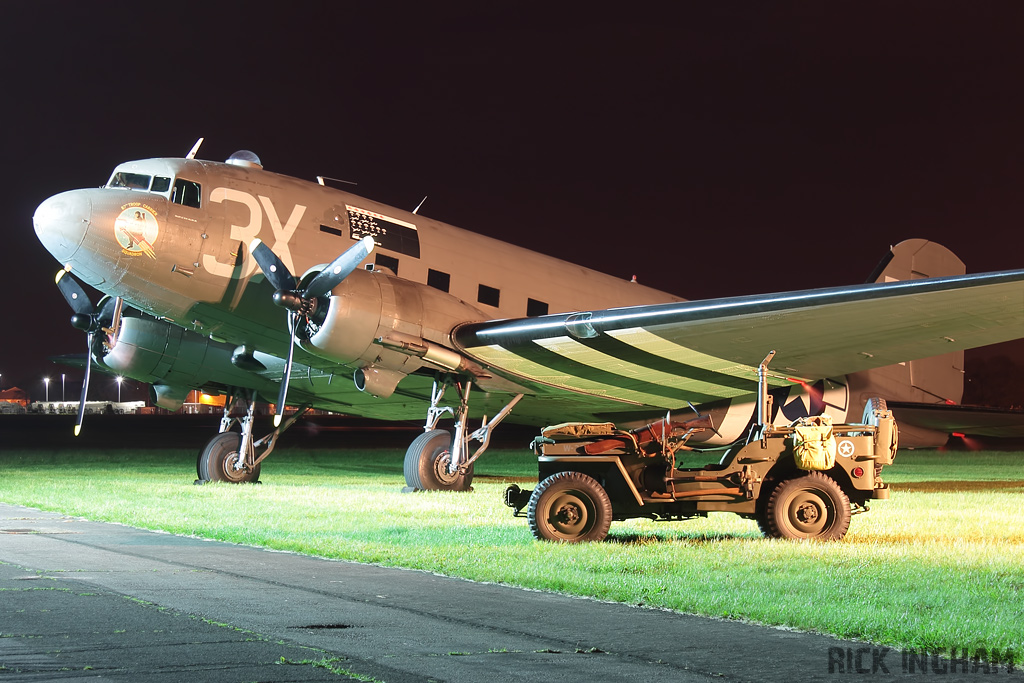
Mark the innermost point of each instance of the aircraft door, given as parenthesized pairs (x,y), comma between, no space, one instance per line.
(186,219)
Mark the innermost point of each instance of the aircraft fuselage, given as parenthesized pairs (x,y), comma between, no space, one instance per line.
(172,237)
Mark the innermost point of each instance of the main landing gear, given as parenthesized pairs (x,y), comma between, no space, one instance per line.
(435,461)
(235,458)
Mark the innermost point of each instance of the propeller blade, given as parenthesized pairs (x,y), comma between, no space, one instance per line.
(286,378)
(85,386)
(339,269)
(272,266)
(74,294)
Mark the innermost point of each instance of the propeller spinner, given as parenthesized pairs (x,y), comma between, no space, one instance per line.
(303,302)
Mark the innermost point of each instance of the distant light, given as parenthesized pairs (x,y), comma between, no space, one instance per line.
(959,435)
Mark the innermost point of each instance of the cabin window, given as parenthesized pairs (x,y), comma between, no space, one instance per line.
(160,184)
(438,280)
(488,295)
(186,193)
(385,261)
(534,307)
(130,181)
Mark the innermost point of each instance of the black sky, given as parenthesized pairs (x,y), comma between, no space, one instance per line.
(726,149)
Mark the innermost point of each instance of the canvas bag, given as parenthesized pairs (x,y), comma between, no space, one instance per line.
(814,446)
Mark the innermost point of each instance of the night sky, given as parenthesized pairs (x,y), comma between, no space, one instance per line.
(732,149)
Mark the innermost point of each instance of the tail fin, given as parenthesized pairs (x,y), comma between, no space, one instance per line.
(916,259)
(935,380)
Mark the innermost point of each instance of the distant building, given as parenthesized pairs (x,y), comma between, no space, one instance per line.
(91,407)
(13,400)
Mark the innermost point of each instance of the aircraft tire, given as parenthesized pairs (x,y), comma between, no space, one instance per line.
(426,464)
(215,461)
(811,507)
(569,507)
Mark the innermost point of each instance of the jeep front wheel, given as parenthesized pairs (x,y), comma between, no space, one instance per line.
(569,507)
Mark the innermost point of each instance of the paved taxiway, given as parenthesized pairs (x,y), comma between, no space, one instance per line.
(81,600)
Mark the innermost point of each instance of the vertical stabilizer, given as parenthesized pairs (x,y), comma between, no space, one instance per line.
(939,379)
(916,259)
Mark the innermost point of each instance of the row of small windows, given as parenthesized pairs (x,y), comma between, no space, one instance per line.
(437,279)
(185,192)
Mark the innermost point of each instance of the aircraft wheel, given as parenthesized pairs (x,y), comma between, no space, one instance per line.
(217,460)
(569,507)
(808,507)
(426,464)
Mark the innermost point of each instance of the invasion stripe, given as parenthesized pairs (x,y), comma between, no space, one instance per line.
(501,357)
(548,358)
(632,373)
(641,347)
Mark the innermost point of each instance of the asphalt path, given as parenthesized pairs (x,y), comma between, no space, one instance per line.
(83,600)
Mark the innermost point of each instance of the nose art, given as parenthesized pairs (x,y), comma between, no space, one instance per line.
(61,223)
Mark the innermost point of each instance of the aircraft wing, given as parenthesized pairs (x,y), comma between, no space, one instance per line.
(664,355)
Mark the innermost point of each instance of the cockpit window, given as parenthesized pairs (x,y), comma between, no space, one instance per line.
(186,193)
(139,181)
(131,181)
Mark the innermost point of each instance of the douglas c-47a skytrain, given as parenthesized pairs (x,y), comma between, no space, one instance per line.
(252,284)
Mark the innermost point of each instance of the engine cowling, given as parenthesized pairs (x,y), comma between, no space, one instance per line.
(174,360)
(387,328)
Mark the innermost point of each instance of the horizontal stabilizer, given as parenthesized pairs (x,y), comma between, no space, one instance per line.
(975,420)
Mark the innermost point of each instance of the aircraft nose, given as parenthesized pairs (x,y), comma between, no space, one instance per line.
(62,221)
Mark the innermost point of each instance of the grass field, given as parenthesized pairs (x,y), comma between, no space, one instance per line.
(939,565)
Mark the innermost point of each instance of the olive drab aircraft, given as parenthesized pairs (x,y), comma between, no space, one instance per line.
(232,279)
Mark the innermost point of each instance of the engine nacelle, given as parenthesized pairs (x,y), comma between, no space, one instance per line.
(174,359)
(388,327)
(168,397)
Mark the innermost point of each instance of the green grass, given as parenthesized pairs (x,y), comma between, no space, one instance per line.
(939,565)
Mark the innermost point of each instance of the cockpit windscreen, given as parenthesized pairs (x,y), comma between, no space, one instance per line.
(139,181)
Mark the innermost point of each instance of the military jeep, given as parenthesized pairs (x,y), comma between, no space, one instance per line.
(801,481)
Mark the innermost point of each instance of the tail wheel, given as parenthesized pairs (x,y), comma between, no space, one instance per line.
(569,507)
(218,459)
(808,507)
(427,461)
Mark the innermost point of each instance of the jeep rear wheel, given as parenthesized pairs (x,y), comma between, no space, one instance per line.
(808,507)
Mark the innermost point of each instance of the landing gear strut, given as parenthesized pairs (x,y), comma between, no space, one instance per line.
(437,461)
(231,457)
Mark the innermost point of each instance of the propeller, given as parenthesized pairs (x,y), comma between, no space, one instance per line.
(90,320)
(303,303)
